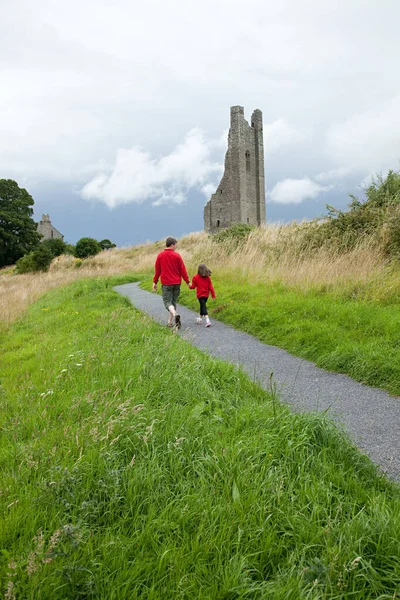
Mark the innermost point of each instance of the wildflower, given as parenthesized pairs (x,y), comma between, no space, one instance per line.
(10,594)
(52,544)
(78,364)
(32,564)
(355,562)
(12,565)
(64,370)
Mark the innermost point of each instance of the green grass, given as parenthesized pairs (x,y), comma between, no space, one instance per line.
(336,331)
(134,466)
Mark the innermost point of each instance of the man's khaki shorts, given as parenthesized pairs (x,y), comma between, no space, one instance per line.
(170,294)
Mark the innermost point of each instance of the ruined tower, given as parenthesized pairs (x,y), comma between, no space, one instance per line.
(240,196)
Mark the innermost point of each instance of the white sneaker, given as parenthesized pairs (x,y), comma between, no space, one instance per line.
(208,323)
(199,320)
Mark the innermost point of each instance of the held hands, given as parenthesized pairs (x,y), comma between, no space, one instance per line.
(154,287)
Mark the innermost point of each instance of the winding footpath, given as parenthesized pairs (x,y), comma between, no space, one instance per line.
(370,416)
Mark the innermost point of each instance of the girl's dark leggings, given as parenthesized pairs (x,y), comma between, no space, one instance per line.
(203,306)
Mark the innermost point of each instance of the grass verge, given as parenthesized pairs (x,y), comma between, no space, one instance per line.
(339,333)
(136,467)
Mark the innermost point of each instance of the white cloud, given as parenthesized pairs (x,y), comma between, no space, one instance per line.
(208,189)
(101,98)
(137,177)
(280,134)
(368,141)
(333,174)
(294,191)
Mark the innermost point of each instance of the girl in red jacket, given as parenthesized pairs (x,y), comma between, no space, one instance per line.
(202,282)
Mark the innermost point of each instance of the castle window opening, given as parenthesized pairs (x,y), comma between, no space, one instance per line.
(247,160)
(248,220)
(220,191)
(217,222)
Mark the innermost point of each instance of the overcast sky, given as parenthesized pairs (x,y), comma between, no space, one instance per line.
(114,115)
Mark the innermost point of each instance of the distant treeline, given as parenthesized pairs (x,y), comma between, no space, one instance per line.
(22,244)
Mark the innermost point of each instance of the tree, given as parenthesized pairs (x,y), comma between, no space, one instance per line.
(56,246)
(106,244)
(375,217)
(18,230)
(69,249)
(86,247)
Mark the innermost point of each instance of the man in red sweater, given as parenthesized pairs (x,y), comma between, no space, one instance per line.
(171,269)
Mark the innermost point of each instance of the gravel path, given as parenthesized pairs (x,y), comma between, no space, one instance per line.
(369,415)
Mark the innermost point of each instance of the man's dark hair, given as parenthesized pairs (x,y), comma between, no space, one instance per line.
(170,242)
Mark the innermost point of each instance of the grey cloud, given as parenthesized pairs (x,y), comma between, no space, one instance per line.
(82,80)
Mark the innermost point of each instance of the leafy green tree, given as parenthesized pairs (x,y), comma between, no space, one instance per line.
(375,217)
(106,244)
(382,191)
(69,249)
(86,247)
(18,230)
(42,258)
(56,246)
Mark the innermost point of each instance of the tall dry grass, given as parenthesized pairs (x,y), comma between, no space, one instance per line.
(270,253)
(17,292)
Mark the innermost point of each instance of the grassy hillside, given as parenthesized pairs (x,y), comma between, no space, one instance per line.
(339,333)
(337,307)
(133,466)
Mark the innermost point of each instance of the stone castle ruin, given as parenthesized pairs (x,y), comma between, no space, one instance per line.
(240,196)
(47,230)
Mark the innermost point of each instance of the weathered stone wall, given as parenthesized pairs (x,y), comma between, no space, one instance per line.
(240,196)
(47,230)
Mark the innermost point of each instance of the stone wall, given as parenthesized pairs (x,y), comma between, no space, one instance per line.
(240,196)
(47,230)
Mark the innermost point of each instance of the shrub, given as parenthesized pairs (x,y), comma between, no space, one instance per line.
(236,233)
(69,249)
(25,264)
(86,247)
(42,258)
(382,191)
(38,260)
(390,231)
(106,244)
(375,217)
(56,246)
